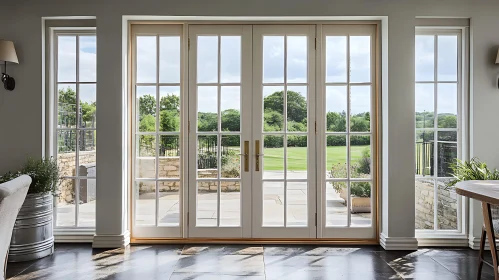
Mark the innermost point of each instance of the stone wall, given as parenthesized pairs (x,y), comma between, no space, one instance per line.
(67,162)
(446,207)
(169,167)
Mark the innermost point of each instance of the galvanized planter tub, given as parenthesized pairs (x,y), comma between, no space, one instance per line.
(33,236)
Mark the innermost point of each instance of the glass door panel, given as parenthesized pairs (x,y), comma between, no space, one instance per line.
(219,131)
(347,200)
(157,110)
(283,76)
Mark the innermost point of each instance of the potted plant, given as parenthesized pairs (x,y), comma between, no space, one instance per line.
(474,169)
(32,237)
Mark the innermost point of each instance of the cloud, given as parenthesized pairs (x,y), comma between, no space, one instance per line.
(67,59)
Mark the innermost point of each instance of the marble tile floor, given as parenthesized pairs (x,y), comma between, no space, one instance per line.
(220,262)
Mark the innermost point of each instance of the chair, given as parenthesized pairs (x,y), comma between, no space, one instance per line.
(12,195)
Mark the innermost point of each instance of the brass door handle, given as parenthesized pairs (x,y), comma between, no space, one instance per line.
(257,155)
(246,156)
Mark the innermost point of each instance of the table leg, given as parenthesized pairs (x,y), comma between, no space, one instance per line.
(480,255)
(487,218)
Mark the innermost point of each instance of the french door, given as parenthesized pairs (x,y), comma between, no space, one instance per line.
(253,131)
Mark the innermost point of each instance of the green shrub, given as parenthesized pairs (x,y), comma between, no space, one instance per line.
(360,189)
(364,163)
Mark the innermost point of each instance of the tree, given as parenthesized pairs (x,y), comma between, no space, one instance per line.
(336,121)
(297,105)
(147,106)
(207,121)
(274,120)
(171,102)
(231,120)
(447,121)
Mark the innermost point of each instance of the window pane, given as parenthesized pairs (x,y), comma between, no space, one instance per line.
(336,59)
(297,154)
(446,206)
(447,58)
(169,156)
(447,105)
(207,204)
(88,59)
(207,159)
(231,160)
(297,108)
(87,155)
(424,152)
(360,200)
(207,108)
(66,152)
(169,203)
(296,204)
(425,106)
(273,159)
(86,208)
(88,105)
(273,204)
(273,59)
(230,103)
(360,108)
(145,156)
(360,156)
(336,107)
(207,59)
(230,204)
(146,108)
(336,204)
(273,108)
(425,58)
(446,156)
(66,106)
(66,204)
(230,59)
(145,203)
(425,203)
(296,59)
(336,156)
(66,59)
(360,59)
(169,59)
(169,109)
(146,59)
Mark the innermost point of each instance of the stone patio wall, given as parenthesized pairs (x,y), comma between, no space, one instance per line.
(67,162)
(446,207)
(169,167)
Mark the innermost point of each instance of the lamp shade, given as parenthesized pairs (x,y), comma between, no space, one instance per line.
(8,52)
(497,58)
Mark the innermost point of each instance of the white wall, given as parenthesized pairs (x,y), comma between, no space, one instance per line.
(21,110)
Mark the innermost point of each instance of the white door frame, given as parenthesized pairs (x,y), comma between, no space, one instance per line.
(245,191)
(260,231)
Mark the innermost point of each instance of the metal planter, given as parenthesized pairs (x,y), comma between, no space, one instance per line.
(33,236)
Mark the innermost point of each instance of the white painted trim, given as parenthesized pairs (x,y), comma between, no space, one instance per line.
(111,241)
(252,18)
(443,242)
(73,235)
(398,243)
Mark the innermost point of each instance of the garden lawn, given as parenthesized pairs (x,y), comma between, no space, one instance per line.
(297,157)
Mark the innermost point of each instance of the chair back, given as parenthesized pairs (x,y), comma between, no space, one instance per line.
(12,195)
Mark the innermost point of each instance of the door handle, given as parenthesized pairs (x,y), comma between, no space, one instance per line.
(246,156)
(257,155)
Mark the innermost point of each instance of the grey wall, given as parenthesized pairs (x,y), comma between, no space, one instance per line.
(21,110)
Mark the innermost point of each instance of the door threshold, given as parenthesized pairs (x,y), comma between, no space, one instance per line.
(263,241)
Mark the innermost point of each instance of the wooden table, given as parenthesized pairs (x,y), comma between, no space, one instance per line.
(488,193)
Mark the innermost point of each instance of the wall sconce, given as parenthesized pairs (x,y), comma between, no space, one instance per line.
(8,54)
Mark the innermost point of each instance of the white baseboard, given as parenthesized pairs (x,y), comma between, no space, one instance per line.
(443,242)
(474,243)
(111,241)
(74,235)
(398,243)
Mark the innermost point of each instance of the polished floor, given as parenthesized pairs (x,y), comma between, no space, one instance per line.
(73,261)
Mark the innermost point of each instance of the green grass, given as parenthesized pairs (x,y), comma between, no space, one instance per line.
(297,157)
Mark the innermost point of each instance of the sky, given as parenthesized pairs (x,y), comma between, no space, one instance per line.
(273,69)
(66,67)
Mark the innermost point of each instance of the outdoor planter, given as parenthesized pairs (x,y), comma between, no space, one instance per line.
(32,237)
(357,204)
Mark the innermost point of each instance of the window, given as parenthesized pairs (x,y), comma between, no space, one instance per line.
(438,127)
(75,127)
